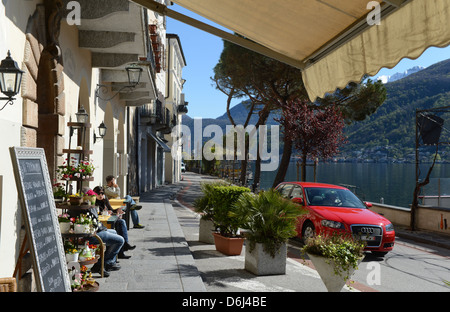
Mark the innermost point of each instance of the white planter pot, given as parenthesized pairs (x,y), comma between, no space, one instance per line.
(333,282)
(72,257)
(64,227)
(81,228)
(259,262)
(205,232)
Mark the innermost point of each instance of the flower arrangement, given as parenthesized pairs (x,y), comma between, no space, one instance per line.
(343,251)
(85,223)
(89,197)
(75,170)
(59,191)
(64,218)
(80,278)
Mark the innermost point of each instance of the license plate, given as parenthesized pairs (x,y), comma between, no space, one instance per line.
(366,237)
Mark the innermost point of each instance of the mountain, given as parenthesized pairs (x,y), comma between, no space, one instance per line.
(398,76)
(239,114)
(390,131)
(392,126)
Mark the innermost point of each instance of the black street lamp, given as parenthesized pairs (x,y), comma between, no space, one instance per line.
(134,73)
(101,131)
(10,79)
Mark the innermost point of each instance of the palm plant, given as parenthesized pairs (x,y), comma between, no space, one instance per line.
(268,218)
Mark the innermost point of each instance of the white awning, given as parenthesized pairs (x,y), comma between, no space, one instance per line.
(330,40)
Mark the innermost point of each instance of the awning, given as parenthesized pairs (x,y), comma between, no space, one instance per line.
(161,143)
(330,40)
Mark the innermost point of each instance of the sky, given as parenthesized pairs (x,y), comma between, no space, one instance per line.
(202,52)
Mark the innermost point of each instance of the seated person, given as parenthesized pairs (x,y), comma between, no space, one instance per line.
(112,190)
(113,242)
(120,225)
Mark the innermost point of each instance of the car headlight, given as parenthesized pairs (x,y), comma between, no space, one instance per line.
(332,224)
(389,227)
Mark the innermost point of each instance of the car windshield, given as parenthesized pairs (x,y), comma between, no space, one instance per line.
(320,196)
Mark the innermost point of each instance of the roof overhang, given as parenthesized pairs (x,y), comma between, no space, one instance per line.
(333,42)
(117,35)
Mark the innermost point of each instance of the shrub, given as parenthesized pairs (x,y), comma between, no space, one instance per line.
(342,249)
(269,218)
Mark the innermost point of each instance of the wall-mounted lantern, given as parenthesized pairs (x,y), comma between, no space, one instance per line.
(101,132)
(134,73)
(82,115)
(10,79)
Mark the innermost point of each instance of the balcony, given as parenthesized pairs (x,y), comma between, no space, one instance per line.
(156,116)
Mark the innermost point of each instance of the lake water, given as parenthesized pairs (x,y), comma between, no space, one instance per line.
(393,182)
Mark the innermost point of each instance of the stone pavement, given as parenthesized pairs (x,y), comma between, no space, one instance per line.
(169,257)
(161,260)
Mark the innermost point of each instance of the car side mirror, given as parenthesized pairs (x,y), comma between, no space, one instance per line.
(368,205)
(298,200)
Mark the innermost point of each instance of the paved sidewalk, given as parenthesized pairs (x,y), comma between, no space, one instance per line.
(161,261)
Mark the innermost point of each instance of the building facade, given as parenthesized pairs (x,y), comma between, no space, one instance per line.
(80,55)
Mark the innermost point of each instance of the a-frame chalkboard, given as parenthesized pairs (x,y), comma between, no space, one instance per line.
(41,221)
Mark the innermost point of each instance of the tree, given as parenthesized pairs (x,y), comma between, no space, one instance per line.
(315,133)
(268,83)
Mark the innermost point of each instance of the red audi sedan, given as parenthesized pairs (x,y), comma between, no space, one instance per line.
(331,208)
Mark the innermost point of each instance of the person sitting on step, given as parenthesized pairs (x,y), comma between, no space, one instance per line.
(112,190)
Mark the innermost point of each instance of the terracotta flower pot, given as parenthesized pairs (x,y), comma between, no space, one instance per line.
(230,246)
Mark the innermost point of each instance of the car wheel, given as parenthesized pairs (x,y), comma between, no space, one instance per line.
(308,231)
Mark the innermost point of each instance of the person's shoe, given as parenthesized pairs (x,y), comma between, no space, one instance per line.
(112,267)
(139,226)
(136,207)
(122,255)
(127,247)
(97,269)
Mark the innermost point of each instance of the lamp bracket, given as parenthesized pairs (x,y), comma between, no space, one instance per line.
(8,100)
(105,90)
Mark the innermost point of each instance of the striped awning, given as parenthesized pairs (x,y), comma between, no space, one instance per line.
(334,42)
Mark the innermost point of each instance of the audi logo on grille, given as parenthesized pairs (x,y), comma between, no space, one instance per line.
(367,230)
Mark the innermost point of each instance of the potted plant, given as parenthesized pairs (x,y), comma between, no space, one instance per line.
(226,222)
(75,170)
(203,206)
(71,252)
(64,223)
(89,197)
(84,223)
(269,220)
(75,199)
(59,193)
(335,258)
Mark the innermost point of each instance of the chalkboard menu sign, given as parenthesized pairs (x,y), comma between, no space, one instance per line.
(38,206)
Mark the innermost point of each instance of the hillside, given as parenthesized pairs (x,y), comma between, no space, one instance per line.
(389,133)
(393,124)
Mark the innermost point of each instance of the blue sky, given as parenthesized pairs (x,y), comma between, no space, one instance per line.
(202,51)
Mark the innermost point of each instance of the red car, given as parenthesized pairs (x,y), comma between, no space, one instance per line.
(331,208)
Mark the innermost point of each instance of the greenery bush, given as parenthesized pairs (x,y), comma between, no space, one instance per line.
(342,249)
(269,218)
(226,221)
(203,205)
(217,204)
